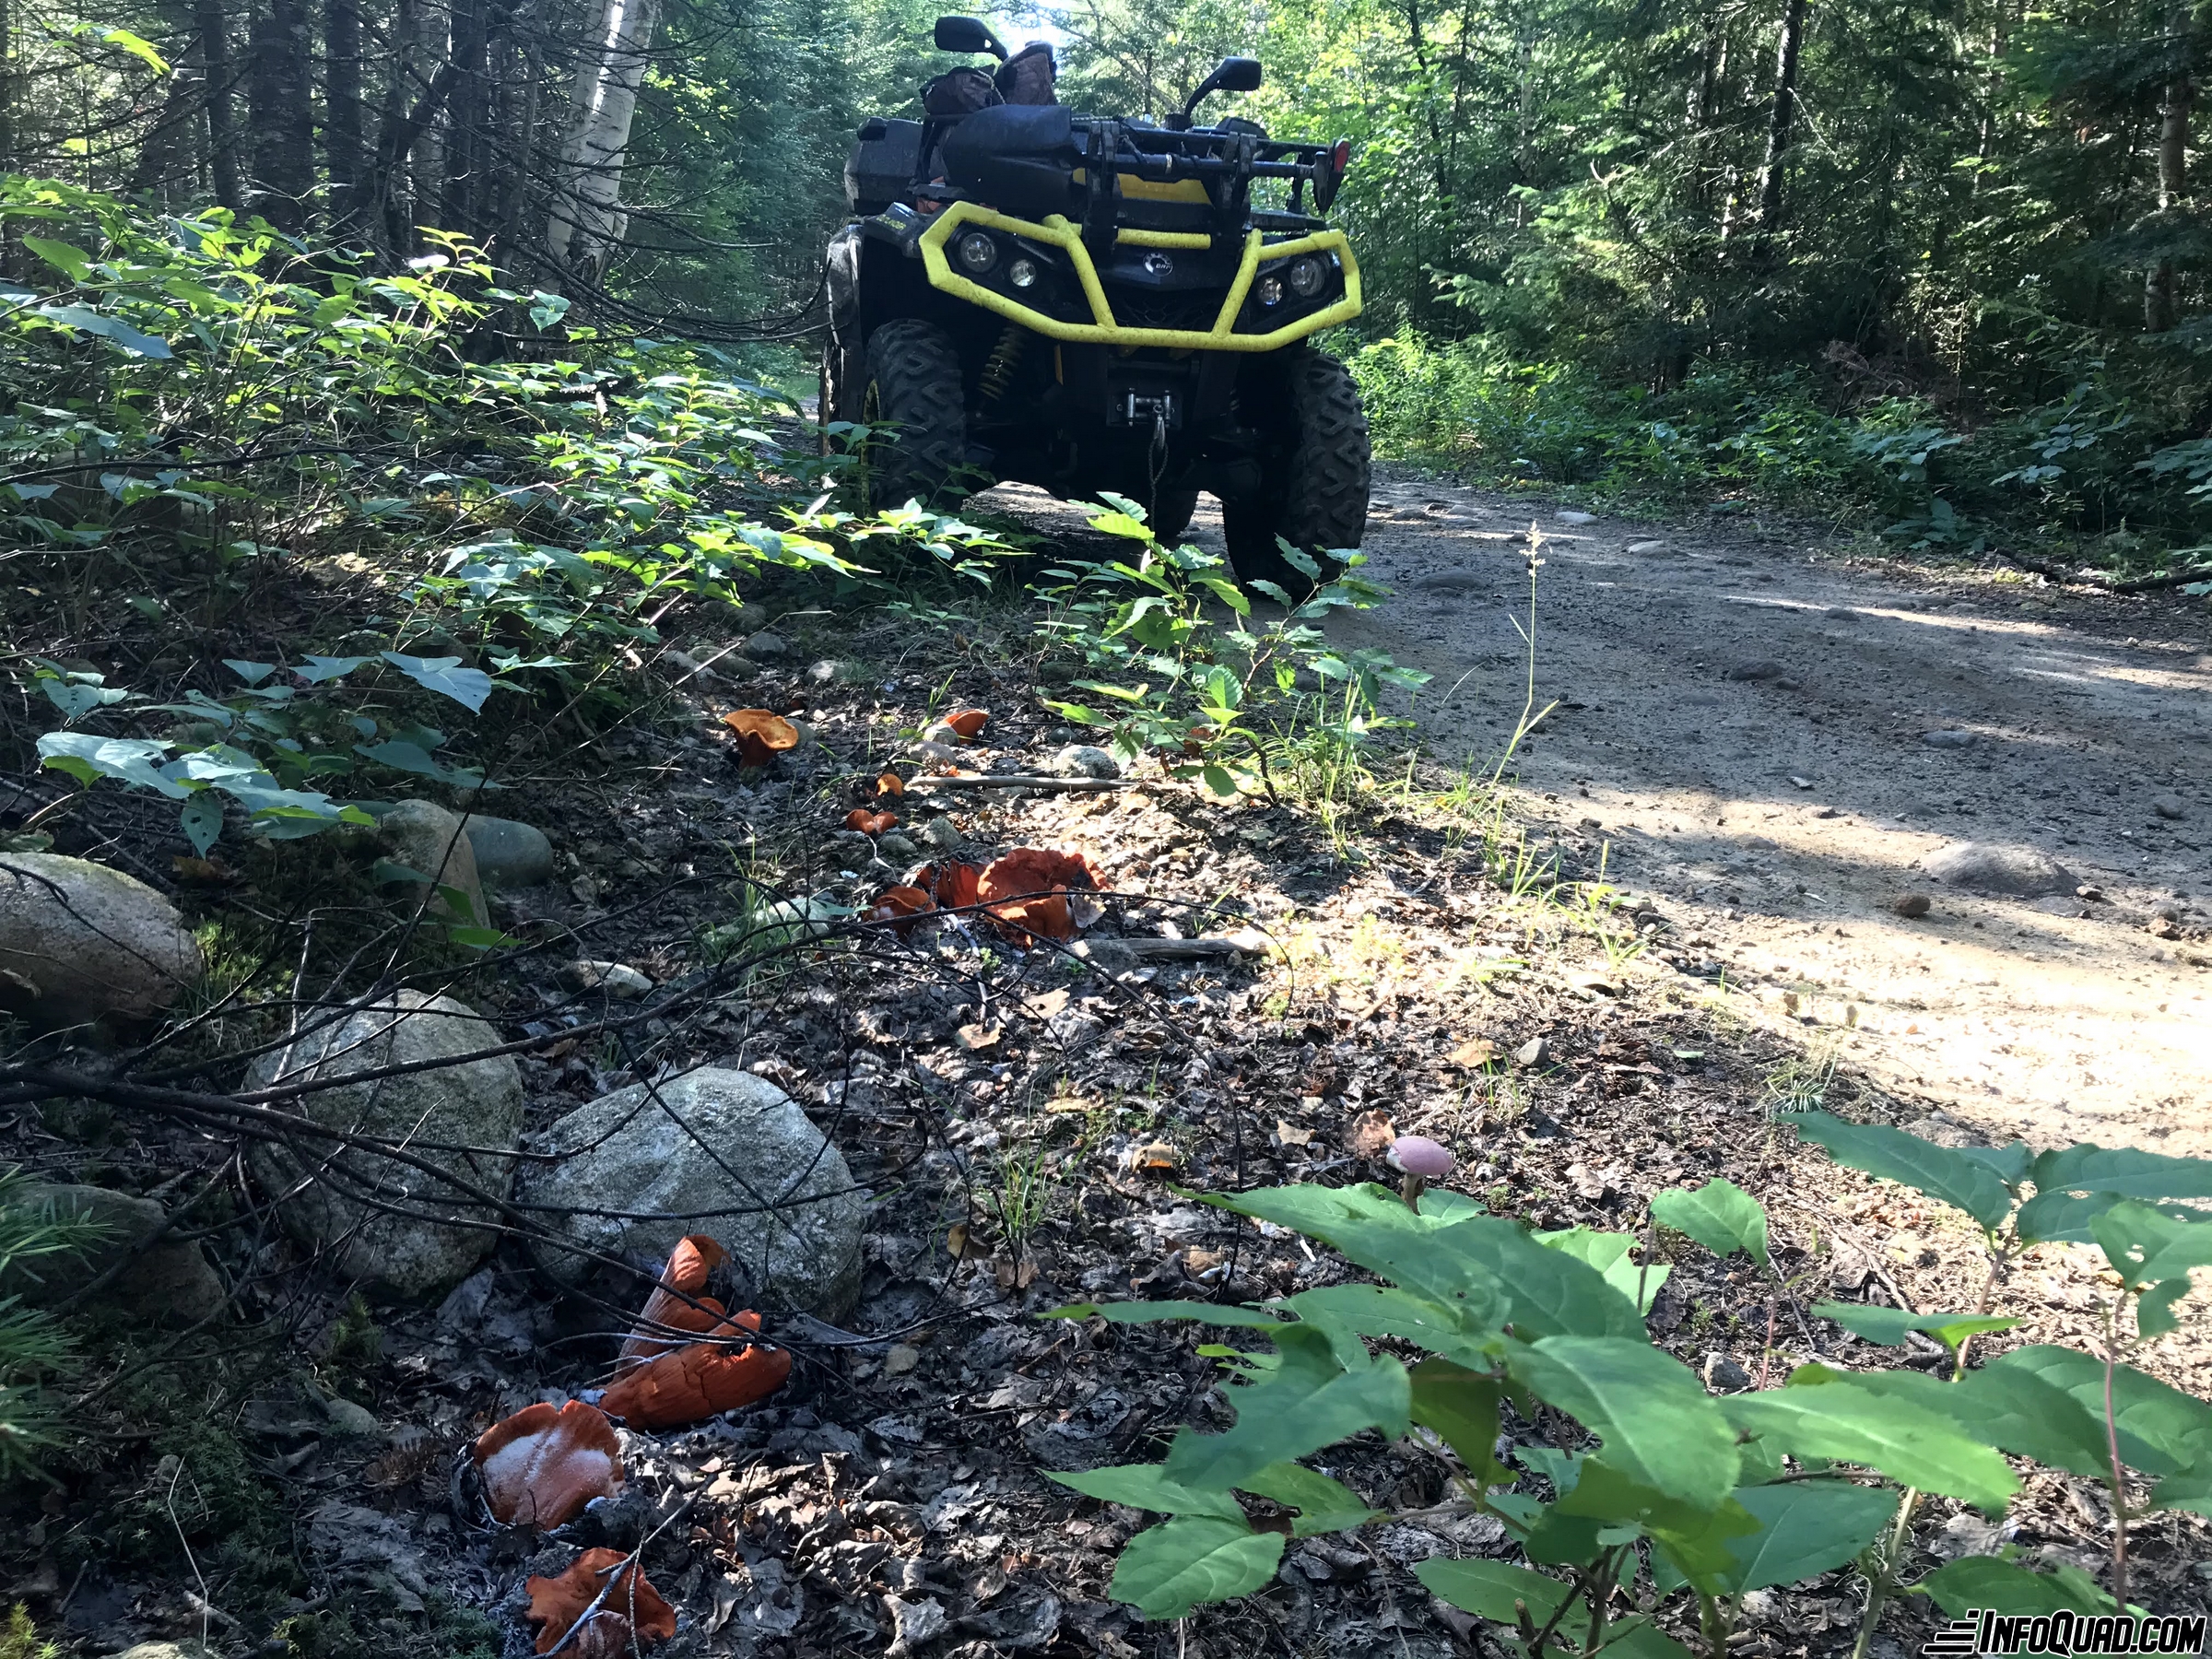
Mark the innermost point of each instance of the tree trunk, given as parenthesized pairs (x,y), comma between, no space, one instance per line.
(342,153)
(279,98)
(1783,118)
(587,218)
(214,29)
(2159,308)
(467,137)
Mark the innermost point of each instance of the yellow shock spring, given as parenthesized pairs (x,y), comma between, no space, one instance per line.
(1005,357)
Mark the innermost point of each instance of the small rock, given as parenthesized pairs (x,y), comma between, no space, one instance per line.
(823,671)
(943,834)
(171,1283)
(1950,739)
(1800,782)
(347,1418)
(1082,760)
(714,1151)
(895,848)
(509,854)
(2167,808)
(766,647)
(433,846)
(941,734)
(81,942)
(2168,912)
(1534,1052)
(1656,545)
(476,1102)
(929,749)
(1842,613)
(1912,906)
(2164,928)
(1568,515)
(2094,895)
(2021,871)
(1764,669)
(1723,1375)
(619,980)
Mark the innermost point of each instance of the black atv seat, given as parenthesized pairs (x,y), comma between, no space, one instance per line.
(1027,131)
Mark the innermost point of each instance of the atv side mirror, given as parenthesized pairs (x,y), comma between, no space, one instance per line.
(968,34)
(1232,74)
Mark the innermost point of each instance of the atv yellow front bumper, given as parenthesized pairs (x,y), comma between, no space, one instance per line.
(1056,231)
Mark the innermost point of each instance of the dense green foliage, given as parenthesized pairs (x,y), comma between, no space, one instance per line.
(1656,1487)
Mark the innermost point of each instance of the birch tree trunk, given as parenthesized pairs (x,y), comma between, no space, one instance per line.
(587,217)
(2174,160)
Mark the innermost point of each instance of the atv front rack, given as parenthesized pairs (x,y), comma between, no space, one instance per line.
(1056,231)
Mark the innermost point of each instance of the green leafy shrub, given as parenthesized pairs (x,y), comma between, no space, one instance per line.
(1667,1505)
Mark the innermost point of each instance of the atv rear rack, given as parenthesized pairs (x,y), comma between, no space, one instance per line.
(1056,231)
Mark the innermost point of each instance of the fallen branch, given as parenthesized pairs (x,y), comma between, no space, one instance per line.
(1019,780)
(2142,584)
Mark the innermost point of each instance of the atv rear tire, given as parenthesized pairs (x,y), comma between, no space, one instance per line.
(1316,470)
(913,393)
(1171,511)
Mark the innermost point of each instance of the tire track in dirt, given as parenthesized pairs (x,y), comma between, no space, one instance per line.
(1779,817)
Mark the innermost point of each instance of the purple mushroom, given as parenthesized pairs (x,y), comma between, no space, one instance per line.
(1419,1160)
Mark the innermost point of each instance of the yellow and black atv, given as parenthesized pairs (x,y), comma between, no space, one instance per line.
(1091,303)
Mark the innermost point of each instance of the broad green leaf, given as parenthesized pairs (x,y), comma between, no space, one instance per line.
(2147,1248)
(76,700)
(467,687)
(2063,1218)
(1964,1183)
(1292,1413)
(1890,1326)
(86,757)
(1973,1583)
(2154,1309)
(1154,1312)
(1695,1538)
(1609,1253)
(1462,1405)
(1720,1215)
(250,672)
(2161,1430)
(202,821)
(1441,1207)
(2011,1163)
(314,670)
(70,259)
(1549,1292)
(1145,1487)
(83,319)
(1805,1527)
(2189,1489)
(1911,1444)
(2088,1167)
(1660,1427)
(1490,1589)
(138,47)
(1324,1505)
(1461,1329)
(1168,1570)
(1560,1538)
(1370,1226)
(2018,1411)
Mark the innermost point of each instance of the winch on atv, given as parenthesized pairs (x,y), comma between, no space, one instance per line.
(1092,303)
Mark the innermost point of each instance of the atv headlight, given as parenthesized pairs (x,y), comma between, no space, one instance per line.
(977,252)
(1306,274)
(1270,289)
(1023,273)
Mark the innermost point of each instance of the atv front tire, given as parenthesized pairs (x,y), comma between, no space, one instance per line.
(1171,511)
(1315,469)
(913,397)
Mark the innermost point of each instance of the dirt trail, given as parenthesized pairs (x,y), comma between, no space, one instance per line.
(1778,818)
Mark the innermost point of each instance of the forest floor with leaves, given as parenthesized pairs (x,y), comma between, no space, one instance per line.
(1354,962)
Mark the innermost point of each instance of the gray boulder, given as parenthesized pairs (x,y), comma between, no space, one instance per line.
(171,1283)
(477,1103)
(1085,760)
(509,854)
(80,942)
(429,841)
(2021,871)
(715,1151)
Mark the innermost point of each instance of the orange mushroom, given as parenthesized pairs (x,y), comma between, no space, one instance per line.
(679,1302)
(871,823)
(953,886)
(968,722)
(1026,892)
(700,1381)
(762,736)
(543,1465)
(889,784)
(901,907)
(627,1612)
